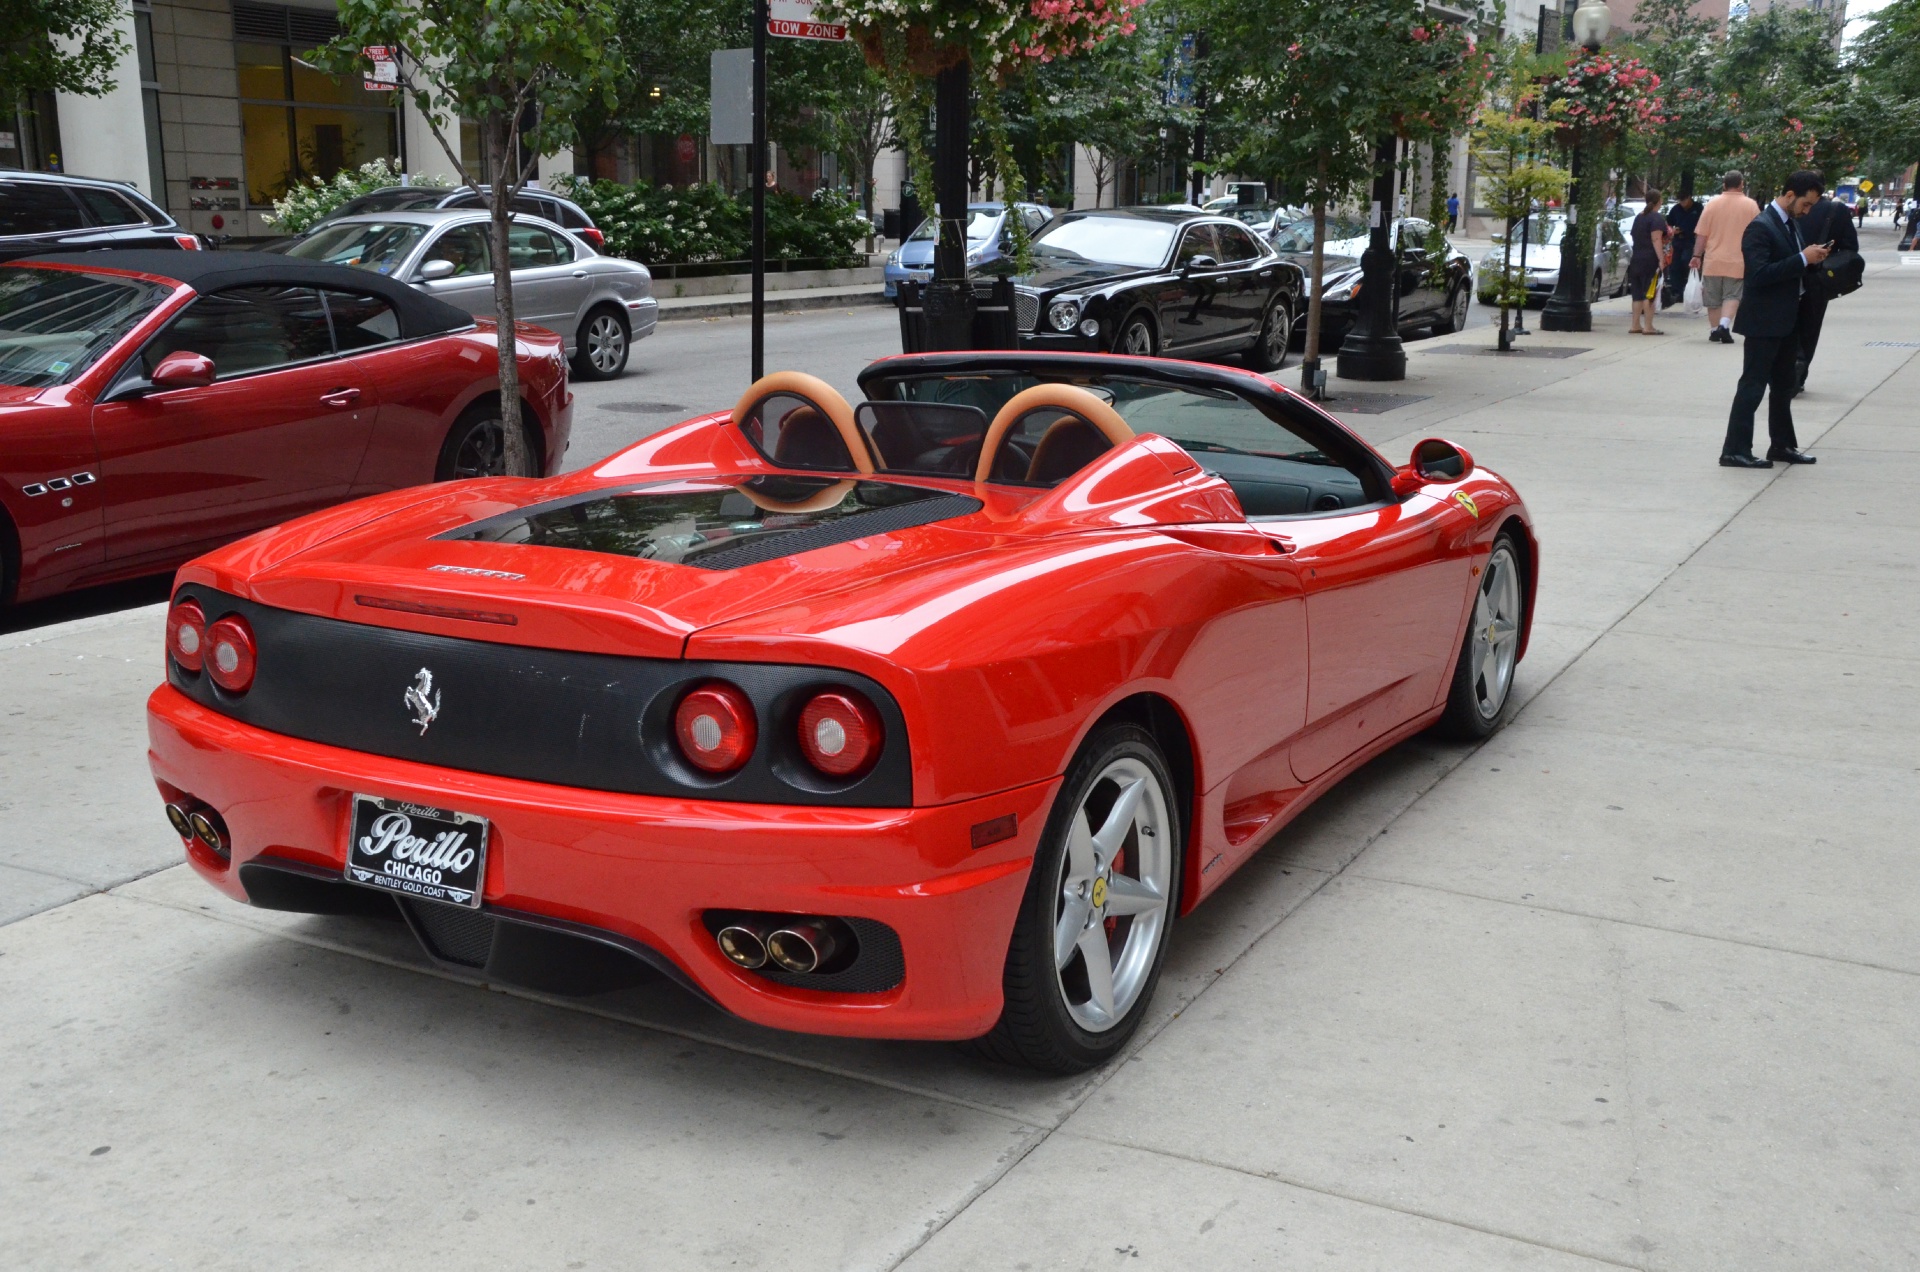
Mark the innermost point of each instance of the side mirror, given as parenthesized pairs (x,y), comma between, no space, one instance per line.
(1434,460)
(1202,262)
(434,271)
(183,369)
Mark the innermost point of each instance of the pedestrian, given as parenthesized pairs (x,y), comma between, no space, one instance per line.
(1717,254)
(1777,261)
(1830,223)
(1453,213)
(1859,216)
(1650,236)
(1681,218)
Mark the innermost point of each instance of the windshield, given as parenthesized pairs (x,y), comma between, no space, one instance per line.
(374,245)
(981,223)
(55,322)
(1540,231)
(1298,237)
(1109,240)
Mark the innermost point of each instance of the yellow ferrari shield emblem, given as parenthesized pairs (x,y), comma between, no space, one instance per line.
(1465,500)
(1099,893)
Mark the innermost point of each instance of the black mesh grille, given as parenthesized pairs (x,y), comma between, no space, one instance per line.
(305,28)
(844,530)
(453,934)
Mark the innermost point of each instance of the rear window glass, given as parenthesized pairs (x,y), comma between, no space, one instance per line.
(108,208)
(724,526)
(33,207)
(55,322)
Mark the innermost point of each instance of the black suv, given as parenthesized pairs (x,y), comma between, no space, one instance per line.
(52,212)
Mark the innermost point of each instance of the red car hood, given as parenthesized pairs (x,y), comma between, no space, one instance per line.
(382,561)
(14,394)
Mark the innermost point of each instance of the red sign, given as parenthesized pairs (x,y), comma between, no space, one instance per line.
(794,20)
(384,77)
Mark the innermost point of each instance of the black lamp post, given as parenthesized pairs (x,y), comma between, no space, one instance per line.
(1372,350)
(948,299)
(1570,308)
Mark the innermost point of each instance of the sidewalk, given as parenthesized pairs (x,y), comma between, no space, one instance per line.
(1631,986)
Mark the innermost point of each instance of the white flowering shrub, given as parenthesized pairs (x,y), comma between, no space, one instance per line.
(696,224)
(309,201)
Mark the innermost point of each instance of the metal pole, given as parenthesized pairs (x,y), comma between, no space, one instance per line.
(1372,350)
(761,17)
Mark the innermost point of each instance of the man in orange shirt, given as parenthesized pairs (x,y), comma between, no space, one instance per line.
(1717,254)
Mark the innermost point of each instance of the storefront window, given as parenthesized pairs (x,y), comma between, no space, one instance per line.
(299,122)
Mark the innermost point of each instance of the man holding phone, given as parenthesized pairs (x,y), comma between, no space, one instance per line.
(1777,259)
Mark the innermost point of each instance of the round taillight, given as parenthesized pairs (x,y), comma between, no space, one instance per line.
(230,654)
(187,634)
(840,733)
(716,728)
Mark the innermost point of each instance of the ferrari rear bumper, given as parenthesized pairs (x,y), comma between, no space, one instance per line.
(630,873)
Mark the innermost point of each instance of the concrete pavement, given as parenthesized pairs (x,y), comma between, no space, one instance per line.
(1632,985)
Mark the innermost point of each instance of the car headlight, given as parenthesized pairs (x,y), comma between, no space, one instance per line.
(1062,315)
(1345,289)
(894,258)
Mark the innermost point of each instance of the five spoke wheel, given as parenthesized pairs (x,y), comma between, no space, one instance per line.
(1483,677)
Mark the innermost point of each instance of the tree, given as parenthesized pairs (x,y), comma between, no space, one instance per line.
(1510,150)
(1113,100)
(1886,62)
(520,69)
(65,46)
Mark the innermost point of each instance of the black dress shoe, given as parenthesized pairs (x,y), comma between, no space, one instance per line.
(1745,461)
(1721,335)
(1787,455)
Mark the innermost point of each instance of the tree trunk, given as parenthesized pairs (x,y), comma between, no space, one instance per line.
(502,177)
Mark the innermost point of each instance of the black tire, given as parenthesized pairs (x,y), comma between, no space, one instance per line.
(1468,717)
(1137,336)
(602,345)
(1037,1026)
(476,447)
(1455,317)
(1269,351)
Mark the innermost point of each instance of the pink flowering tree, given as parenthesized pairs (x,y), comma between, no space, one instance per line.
(1599,101)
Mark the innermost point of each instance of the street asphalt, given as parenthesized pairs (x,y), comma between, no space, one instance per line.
(1633,985)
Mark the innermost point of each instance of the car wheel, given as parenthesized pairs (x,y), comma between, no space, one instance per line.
(1269,353)
(1092,929)
(1458,304)
(1137,337)
(476,446)
(603,345)
(1483,677)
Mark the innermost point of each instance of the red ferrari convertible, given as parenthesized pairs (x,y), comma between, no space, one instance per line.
(155,404)
(924,718)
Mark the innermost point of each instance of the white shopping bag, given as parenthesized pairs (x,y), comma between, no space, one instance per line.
(1694,298)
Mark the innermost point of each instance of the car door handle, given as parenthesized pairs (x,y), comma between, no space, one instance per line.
(341,397)
(579,273)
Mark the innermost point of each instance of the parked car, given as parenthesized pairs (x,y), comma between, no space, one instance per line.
(52,212)
(989,240)
(1539,256)
(544,204)
(599,304)
(155,404)
(1152,281)
(1436,299)
(923,719)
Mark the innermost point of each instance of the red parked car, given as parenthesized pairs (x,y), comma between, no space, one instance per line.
(918,720)
(156,404)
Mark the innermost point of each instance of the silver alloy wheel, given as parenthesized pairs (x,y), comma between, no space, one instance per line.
(606,343)
(1495,643)
(1461,304)
(1111,913)
(1279,336)
(1137,339)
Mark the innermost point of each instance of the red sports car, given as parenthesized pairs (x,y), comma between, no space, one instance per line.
(155,404)
(921,719)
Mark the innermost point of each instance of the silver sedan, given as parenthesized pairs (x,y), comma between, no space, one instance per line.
(598,304)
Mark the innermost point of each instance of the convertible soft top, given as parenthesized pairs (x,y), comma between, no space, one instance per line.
(420,314)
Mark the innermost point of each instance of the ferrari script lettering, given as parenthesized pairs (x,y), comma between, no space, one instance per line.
(392,833)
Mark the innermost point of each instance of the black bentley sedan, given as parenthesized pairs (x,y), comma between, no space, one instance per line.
(1436,298)
(1157,281)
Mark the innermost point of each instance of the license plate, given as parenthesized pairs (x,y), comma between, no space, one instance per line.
(431,853)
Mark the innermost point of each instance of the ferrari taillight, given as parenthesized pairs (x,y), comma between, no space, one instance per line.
(230,654)
(716,727)
(187,634)
(840,733)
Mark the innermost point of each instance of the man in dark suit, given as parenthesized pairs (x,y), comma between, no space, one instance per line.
(1776,261)
(1830,222)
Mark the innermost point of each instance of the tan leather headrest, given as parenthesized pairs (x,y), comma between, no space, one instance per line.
(1065,397)
(816,393)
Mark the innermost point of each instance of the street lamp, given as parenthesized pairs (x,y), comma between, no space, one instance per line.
(1569,308)
(1372,350)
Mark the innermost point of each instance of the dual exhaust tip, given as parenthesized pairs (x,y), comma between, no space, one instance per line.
(197,823)
(798,945)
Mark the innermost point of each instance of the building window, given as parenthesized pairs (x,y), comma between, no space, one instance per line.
(150,99)
(296,121)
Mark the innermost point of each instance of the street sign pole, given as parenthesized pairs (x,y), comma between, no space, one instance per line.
(761,18)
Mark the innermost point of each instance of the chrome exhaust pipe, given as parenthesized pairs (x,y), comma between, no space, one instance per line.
(742,945)
(209,830)
(802,947)
(181,820)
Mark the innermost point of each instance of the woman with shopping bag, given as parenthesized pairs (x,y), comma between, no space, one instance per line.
(1650,235)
